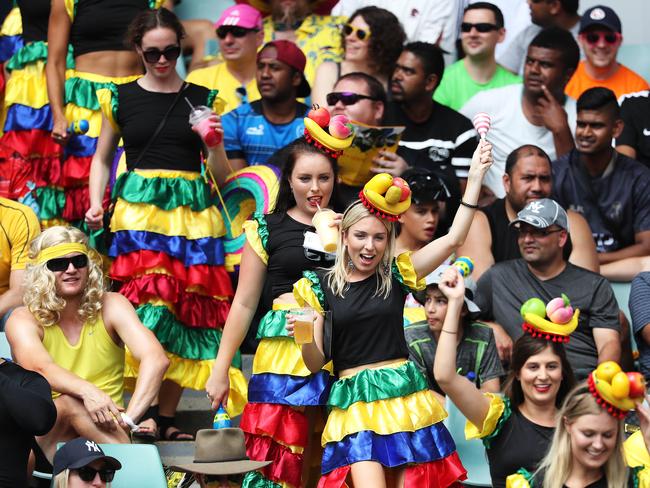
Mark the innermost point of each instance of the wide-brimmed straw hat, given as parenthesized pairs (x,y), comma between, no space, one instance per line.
(220,452)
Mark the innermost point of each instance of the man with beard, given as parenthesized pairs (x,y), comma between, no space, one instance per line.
(254,131)
(491,239)
(611,190)
(535,113)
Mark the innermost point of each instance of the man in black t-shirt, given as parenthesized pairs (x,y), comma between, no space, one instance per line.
(634,140)
(611,190)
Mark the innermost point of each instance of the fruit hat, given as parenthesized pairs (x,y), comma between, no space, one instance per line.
(614,390)
(562,319)
(332,141)
(386,196)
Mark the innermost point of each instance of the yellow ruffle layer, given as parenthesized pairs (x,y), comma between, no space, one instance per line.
(94,118)
(253,238)
(281,355)
(517,481)
(27,86)
(13,23)
(405,267)
(384,417)
(490,423)
(636,455)
(305,296)
(194,374)
(180,221)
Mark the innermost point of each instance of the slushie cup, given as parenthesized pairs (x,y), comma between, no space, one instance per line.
(303,327)
(329,236)
(200,118)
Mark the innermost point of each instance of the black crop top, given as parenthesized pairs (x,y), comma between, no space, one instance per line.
(35,15)
(138,113)
(366,328)
(101,25)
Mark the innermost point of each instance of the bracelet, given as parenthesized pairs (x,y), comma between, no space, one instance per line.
(129,421)
(448,331)
(468,205)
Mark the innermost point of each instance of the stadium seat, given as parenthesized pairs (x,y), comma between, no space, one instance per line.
(472,453)
(5,350)
(635,57)
(202,9)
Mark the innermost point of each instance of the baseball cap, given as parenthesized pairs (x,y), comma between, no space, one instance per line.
(241,16)
(543,213)
(435,277)
(602,16)
(80,452)
(291,55)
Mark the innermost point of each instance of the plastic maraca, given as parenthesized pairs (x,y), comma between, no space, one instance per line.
(481,123)
(465,265)
(78,127)
(221,419)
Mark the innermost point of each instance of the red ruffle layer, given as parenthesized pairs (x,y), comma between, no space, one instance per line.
(286,466)
(280,422)
(31,143)
(192,309)
(77,202)
(213,280)
(76,171)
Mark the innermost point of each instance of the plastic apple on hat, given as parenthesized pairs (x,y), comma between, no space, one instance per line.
(534,306)
(404,186)
(340,127)
(606,371)
(637,384)
(320,115)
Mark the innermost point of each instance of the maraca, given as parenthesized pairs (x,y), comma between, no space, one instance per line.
(481,123)
(465,265)
(78,127)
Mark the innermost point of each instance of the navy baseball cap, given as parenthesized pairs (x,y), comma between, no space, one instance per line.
(80,452)
(601,16)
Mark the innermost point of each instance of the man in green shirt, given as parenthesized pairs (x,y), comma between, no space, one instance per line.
(481,30)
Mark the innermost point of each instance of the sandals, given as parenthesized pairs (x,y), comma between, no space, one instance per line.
(166,424)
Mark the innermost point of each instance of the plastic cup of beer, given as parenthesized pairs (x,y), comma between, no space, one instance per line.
(303,326)
(329,236)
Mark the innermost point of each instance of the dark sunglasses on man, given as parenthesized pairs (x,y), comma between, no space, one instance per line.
(87,474)
(482,27)
(152,55)
(597,36)
(224,30)
(346,98)
(61,264)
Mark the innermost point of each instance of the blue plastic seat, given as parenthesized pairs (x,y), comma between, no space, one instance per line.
(471,453)
(5,350)
(202,9)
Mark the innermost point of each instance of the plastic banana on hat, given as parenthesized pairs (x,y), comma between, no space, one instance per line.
(554,321)
(330,134)
(386,196)
(616,391)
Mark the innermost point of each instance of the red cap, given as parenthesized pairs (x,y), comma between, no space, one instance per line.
(291,55)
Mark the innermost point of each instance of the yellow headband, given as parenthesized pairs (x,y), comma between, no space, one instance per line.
(60,250)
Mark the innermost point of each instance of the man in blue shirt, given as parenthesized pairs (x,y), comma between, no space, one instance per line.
(254,131)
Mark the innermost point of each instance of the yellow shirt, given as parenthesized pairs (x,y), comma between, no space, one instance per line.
(94,358)
(19,226)
(218,77)
(319,37)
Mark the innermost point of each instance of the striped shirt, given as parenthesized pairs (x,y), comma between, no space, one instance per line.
(639,304)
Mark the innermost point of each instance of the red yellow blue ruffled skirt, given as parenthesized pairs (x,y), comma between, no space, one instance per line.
(168,253)
(388,415)
(275,429)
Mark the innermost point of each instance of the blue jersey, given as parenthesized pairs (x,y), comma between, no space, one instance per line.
(250,136)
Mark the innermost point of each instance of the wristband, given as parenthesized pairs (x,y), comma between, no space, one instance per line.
(468,205)
(129,421)
(448,331)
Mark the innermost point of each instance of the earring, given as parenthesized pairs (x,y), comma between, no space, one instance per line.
(350,266)
(386,268)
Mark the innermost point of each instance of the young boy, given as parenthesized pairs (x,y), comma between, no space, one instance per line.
(477,357)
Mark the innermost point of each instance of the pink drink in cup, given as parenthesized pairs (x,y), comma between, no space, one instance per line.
(329,236)
(200,120)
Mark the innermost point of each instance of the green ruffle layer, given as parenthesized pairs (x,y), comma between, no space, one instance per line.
(262,228)
(83,93)
(255,479)
(316,287)
(51,202)
(377,384)
(32,52)
(273,325)
(186,342)
(397,275)
(507,412)
(164,193)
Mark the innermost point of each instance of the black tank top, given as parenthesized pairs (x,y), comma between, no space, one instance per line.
(35,15)
(101,25)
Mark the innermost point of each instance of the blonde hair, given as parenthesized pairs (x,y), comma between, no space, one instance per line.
(337,276)
(556,465)
(40,291)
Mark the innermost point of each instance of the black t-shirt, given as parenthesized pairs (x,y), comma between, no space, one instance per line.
(101,25)
(26,410)
(35,15)
(177,146)
(635,112)
(616,204)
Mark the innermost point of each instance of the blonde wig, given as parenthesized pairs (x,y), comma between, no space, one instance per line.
(556,465)
(40,283)
(337,276)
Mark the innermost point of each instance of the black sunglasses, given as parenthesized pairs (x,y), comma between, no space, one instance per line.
(152,55)
(224,30)
(347,98)
(481,27)
(61,264)
(88,474)
(361,34)
(595,37)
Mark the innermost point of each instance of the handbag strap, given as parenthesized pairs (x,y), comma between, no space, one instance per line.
(160,125)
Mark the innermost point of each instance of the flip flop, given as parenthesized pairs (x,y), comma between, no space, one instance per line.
(174,436)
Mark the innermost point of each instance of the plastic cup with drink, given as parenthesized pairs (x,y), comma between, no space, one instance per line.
(200,118)
(303,326)
(329,235)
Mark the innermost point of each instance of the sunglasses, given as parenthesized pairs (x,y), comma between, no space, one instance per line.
(153,55)
(596,37)
(88,474)
(346,98)
(430,185)
(224,30)
(361,34)
(61,264)
(481,27)
(535,232)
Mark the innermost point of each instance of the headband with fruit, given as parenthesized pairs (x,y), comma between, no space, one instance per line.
(386,196)
(616,391)
(340,131)
(562,320)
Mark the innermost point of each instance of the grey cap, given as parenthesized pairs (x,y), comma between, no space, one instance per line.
(543,213)
(435,276)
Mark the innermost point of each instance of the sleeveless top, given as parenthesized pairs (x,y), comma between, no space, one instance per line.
(82,358)
(35,15)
